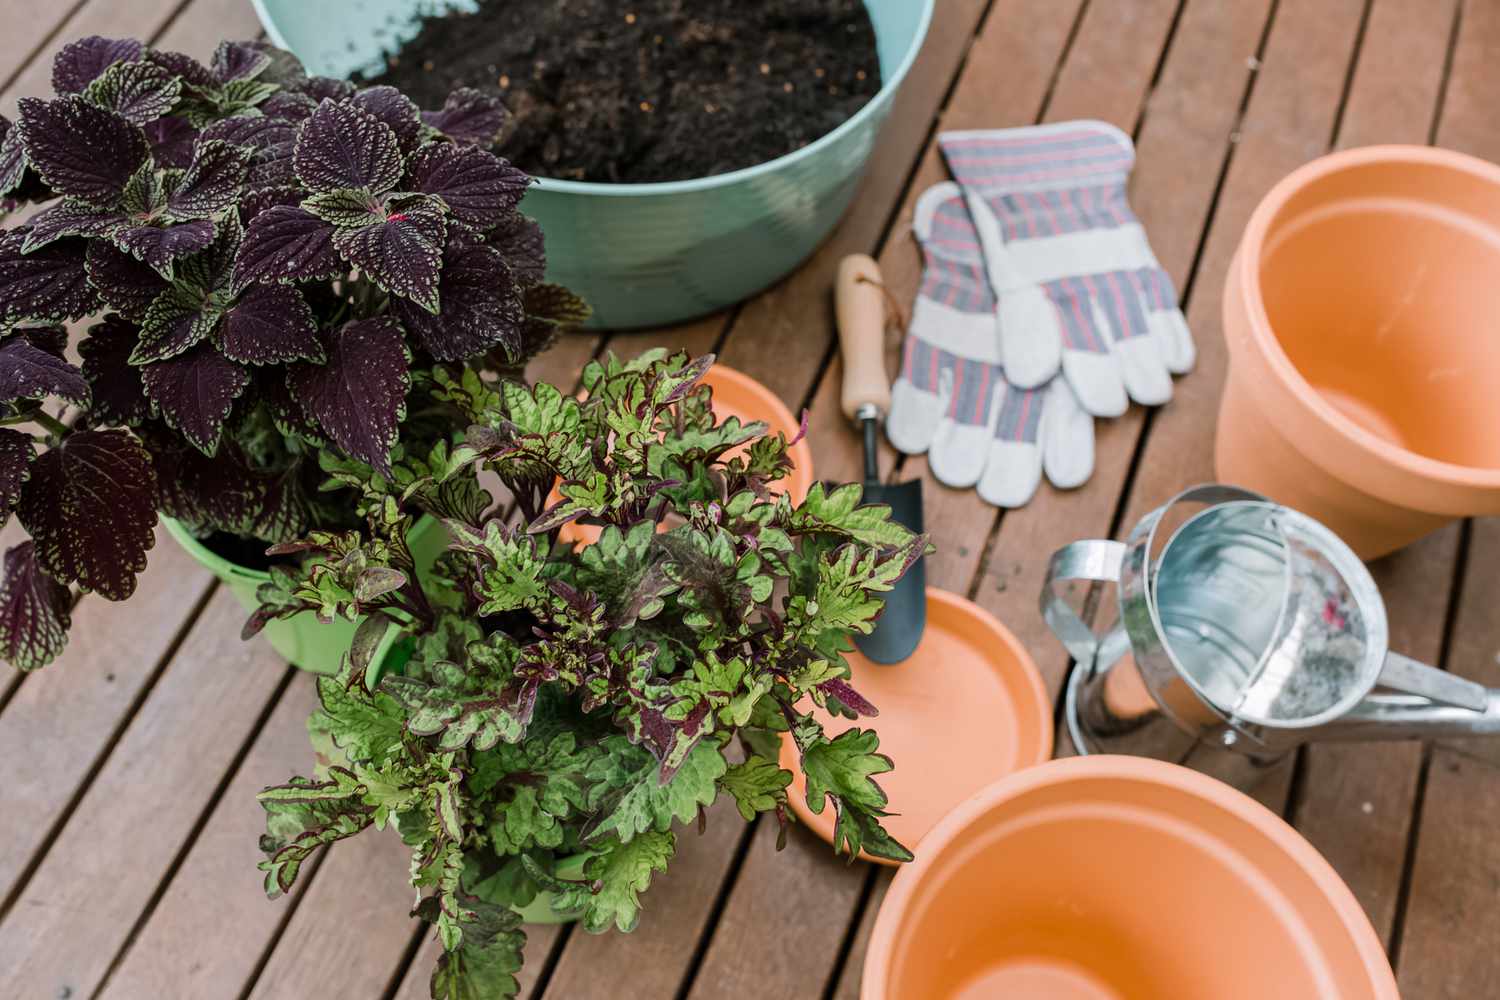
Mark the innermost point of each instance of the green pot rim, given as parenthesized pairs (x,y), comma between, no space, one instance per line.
(225,569)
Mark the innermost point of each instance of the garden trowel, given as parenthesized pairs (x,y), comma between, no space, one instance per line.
(860,302)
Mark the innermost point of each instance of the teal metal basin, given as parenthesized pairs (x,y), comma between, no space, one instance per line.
(653,254)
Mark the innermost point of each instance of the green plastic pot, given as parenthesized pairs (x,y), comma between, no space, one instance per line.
(302,640)
(653,254)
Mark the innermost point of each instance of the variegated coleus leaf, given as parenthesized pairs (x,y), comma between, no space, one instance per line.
(271,324)
(304,815)
(34,611)
(284,243)
(358,396)
(194,392)
(90,507)
(12,156)
(400,248)
(29,372)
(395,109)
(79,149)
(520,239)
(81,62)
(270,141)
(126,285)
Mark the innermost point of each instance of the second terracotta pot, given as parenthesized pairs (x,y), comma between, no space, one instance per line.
(1119,878)
(1358,313)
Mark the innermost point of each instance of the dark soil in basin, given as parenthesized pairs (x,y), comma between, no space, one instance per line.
(649,90)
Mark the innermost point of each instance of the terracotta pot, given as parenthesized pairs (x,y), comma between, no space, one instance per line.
(735,394)
(1362,385)
(1117,878)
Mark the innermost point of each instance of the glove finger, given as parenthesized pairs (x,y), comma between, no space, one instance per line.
(1030,336)
(1067,438)
(1166,321)
(1087,362)
(1137,353)
(1013,465)
(957,453)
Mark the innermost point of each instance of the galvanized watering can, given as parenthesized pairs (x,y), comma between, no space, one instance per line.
(1245,629)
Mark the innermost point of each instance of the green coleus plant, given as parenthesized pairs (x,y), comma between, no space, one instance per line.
(540,700)
(279,265)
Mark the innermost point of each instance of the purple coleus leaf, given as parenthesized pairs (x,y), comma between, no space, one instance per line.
(139,92)
(271,324)
(286,244)
(16,455)
(52,339)
(79,149)
(161,247)
(48,285)
(30,372)
(270,141)
(343,146)
(288,107)
(479,188)
(470,116)
(193,72)
(238,61)
(520,239)
(480,306)
(34,611)
(114,383)
(90,509)
(127,285)
(402,252)
(172,140)
(12,156)
(324,88)
(72,217)
(194,393)
(389,105)
(80,63)
(358,397)
(212,182)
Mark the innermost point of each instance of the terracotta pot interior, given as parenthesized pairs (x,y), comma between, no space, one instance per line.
(1379,281)
(1104,889)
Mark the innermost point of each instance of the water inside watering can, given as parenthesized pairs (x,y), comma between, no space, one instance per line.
(1256,614)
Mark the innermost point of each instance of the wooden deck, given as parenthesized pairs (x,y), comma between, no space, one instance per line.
(128,822)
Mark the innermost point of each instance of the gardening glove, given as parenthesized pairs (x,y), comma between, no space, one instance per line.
(1079,289)
(952,399)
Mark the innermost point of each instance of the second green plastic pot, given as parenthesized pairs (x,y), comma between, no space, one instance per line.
(302,640)
(652,254)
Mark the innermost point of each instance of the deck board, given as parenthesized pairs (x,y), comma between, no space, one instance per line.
(1223,97)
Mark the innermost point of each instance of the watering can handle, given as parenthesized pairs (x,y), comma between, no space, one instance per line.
(1096,561)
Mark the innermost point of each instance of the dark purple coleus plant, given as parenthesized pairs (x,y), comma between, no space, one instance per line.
(277,266)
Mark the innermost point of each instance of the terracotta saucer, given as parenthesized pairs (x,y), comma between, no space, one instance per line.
(967,709)
(736,394)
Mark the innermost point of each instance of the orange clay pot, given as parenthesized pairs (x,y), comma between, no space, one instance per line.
(1363,387)
(968,707)
(735,394)
(1120,878)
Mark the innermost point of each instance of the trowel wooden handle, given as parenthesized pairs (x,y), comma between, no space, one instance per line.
(859,302)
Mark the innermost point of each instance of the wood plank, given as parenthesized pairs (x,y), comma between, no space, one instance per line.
(652,961)
(1446,950)
(783,923)
(64,718)
(1473,91)
(540,939)
(203,24)
(851,975)
(351,929)
(1400,73)
(212,924)
(27,28)
(98,875)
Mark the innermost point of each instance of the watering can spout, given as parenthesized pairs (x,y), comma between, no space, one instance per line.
(1418,702)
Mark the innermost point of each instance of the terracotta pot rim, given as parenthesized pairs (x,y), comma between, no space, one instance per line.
(902,893)
(1298,390)
(1033,700)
